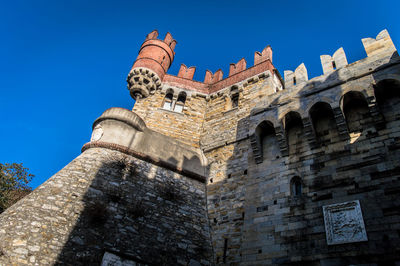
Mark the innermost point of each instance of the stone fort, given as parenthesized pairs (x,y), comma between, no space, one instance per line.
(248,169)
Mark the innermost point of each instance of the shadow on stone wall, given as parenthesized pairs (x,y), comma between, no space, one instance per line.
(255,214)
(139,213)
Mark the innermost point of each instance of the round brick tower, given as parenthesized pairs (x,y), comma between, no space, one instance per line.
(154,59)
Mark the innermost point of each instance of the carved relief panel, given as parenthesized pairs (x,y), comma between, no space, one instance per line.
(344,223)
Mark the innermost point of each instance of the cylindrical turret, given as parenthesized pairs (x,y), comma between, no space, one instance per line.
(154,59)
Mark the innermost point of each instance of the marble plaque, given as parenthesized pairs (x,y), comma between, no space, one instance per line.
(110,259)
(344,223)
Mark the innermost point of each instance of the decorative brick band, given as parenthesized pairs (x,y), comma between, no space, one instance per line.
(144,157)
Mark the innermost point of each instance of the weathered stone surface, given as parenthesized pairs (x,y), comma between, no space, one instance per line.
(344,223)
(272,159)
(108,201)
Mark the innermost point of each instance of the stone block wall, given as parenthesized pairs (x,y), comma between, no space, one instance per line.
(225,142)
(308,174)
(184,126)
(328,143)
(106,201)
(329,137)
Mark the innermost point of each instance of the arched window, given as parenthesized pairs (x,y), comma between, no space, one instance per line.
(355,110)
(294,131)
(168,100)
(180,102)
(296,186)
(387,94)
(323,121)
(268,144)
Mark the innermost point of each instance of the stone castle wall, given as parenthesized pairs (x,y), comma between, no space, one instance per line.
(345,152)
(224,143)
(249,172)
(184,126)
(107,201)
(337,138)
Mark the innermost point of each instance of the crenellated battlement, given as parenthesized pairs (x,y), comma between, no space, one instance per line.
(299,76)
(156,56)
(381,45)
(168,39)
(238,67)
(265,55)
(211,78)
(240,170)
(331,63)
(185,72)
(155,53)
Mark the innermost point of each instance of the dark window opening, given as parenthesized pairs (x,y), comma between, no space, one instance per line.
(334,65)
(168,100)
(294,80)
(267,142)
(296,187)
(180,102)
(387,94)
(235,100)
(323,121)
(355,110)
(234,96)
(181,98)
(225,250)
(293,125)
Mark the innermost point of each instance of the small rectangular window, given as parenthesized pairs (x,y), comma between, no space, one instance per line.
(225,250)
(235,100)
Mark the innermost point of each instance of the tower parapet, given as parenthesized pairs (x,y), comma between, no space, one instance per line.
(336,61)
(238,67)
(154,59)
(185,72)
(382,43)
(212,78)
(266,54)
(298,76)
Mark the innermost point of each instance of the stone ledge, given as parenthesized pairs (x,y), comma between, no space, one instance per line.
(123,115)
(144,157)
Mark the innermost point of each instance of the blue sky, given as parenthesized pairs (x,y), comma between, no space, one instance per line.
(62,63)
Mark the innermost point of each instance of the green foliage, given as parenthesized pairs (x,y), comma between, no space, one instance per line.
(14,179)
